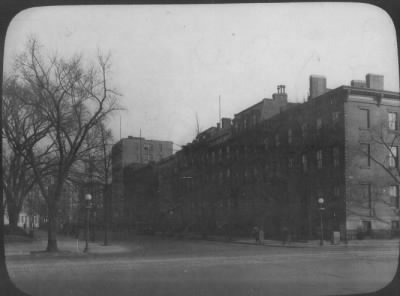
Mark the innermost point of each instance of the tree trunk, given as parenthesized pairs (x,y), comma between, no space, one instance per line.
(52,226)
(13,215)
(7,287)
(12,208)
(106,214)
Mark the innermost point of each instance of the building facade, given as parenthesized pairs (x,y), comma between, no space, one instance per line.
(135,152)
(271,164)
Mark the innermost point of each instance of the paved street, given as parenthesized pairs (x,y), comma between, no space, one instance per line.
(160,266)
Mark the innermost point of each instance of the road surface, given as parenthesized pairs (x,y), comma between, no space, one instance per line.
(156,266)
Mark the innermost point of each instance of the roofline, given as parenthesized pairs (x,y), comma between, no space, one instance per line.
(143,139)
(371,91)
(364,91)
(252,106)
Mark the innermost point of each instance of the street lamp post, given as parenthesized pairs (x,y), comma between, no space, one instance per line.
(321,208)
(88,199)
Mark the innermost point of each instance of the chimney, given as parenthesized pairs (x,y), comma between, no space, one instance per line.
(358,83)
(226,123)
(317,85)
(374,81)
(281,95)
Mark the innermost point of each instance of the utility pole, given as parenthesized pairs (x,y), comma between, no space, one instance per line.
(140,145)
(219,101)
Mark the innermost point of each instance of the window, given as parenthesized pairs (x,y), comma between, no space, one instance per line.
(319,159)
(255,173)
(245,174)
(393,157)
(319,124)
(267,168)
(290,136)
(336,191)
(266,143)
(335,116)
(278,166)
(367,227)
(221,176)
(290,162)
(236,124)
(365,148)
(304,162)
(394,196)
(395,225)
(336,160)
(392,120)
(277,141)
(304,130)
(366,196)
(365,118)
(244,123)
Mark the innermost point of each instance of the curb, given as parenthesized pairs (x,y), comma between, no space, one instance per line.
(327,244)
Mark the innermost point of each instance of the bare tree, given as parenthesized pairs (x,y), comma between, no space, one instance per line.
(69,98)
(18,177)
(198,129)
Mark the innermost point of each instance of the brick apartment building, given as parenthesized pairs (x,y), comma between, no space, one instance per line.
(274,160)
(135,152)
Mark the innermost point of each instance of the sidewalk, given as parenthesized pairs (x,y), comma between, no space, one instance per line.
(67,246)
(316,243)
(70,246)
(302,244)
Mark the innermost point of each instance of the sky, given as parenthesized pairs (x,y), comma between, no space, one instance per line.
(172,63)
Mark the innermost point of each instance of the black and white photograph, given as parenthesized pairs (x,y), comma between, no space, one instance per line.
(212,149)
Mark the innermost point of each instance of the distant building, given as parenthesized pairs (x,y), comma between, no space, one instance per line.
(141,196)
(136,152)
(252,116)
(29,216)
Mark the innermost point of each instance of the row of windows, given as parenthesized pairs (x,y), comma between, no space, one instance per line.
(258,174)
(320,162)
(220,154)
(213,156)
(304,130)
(392,123)
(292,162)
(392,156)
(366,195)
(392,120)
(225,152)
(247,121)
